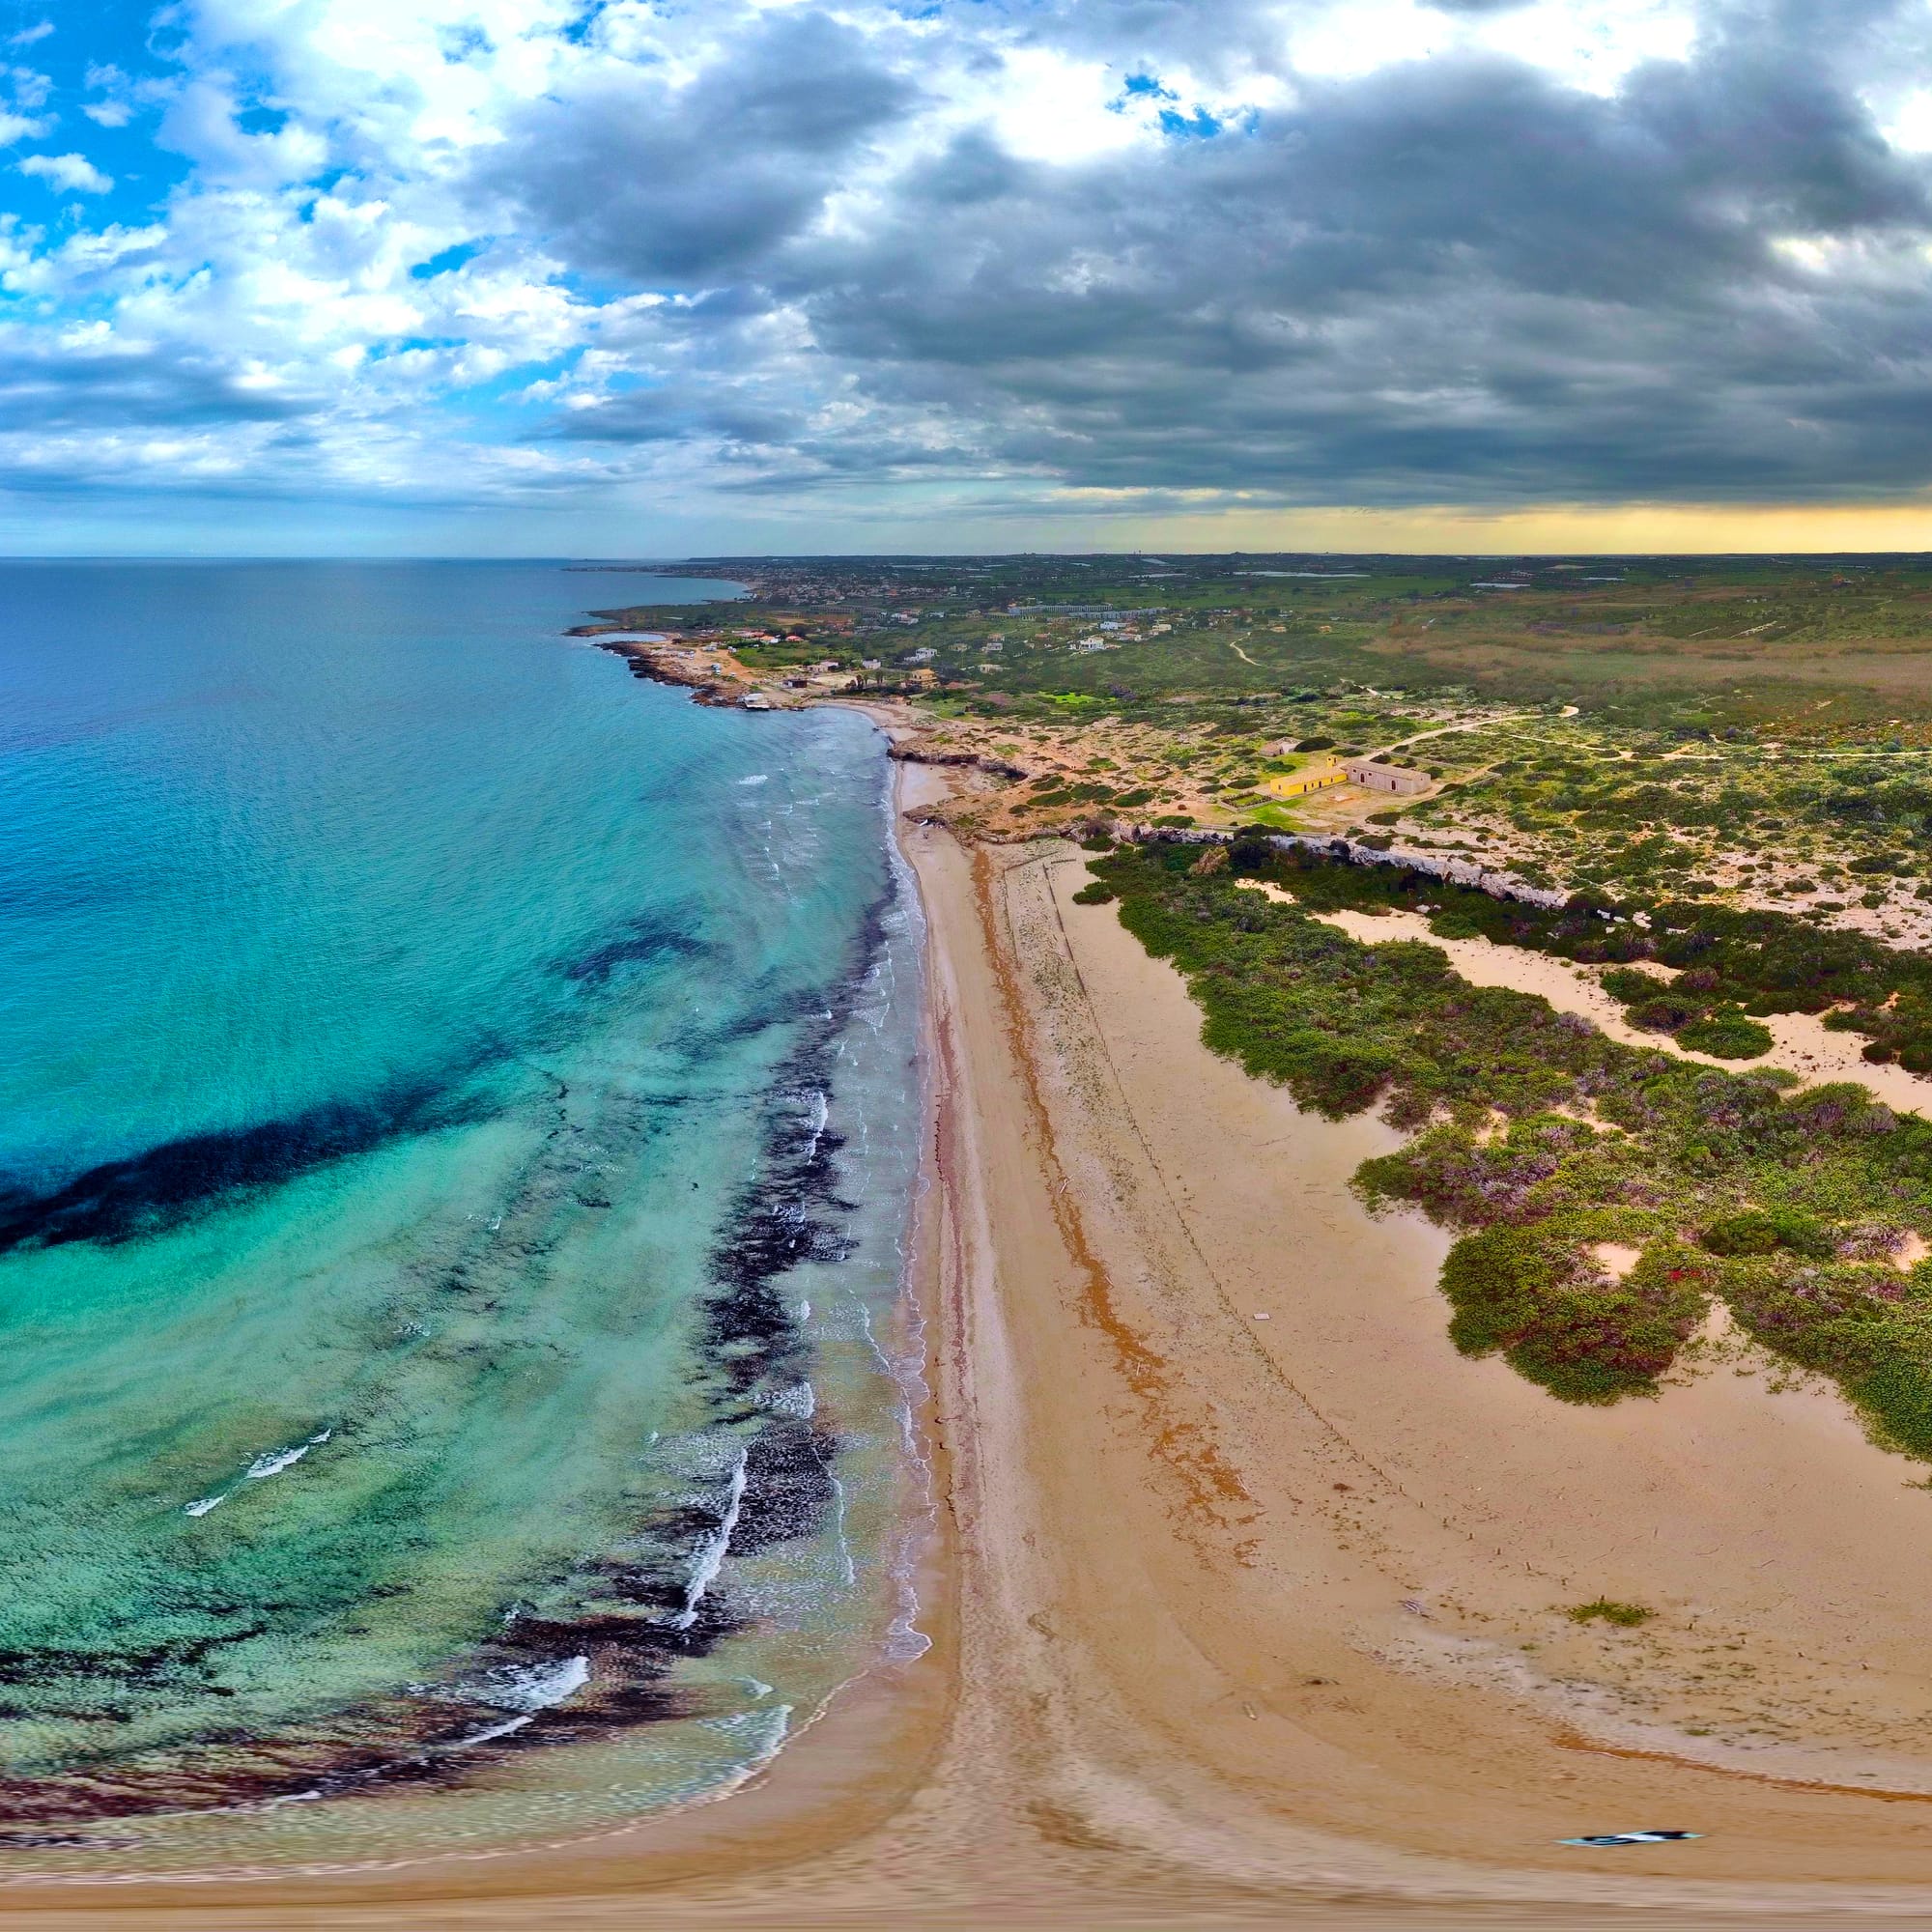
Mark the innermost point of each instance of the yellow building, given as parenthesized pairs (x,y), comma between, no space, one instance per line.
(1299,784)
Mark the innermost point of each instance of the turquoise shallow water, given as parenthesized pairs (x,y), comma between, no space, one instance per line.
(455,1142)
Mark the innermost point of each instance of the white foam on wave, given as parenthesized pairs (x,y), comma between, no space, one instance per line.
(711,1557)
(270,1463)
(821,1113)
(848,1566)
(530,1687)
(276,1461)
(799,1401)
(756,778)
(490,1732)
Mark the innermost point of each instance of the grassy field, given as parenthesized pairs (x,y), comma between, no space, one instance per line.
(1757,640)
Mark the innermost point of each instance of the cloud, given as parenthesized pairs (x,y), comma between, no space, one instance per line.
(1046,251)
(675,181)
(73,172)
(1451,279)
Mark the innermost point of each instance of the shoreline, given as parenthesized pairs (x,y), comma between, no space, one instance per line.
(1175,1677)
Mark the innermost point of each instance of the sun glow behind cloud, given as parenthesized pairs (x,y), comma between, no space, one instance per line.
(532,274)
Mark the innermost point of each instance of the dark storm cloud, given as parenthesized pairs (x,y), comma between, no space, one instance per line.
(1453,279)
(675,187)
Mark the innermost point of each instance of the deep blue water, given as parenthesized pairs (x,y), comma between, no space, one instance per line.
(452,1141)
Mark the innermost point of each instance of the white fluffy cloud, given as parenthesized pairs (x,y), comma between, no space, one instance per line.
(75,172)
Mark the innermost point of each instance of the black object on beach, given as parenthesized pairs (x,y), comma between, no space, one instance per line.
(1631,1838)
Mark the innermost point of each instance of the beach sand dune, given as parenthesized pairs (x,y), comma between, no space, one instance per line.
(1800,1043)
(1263,1622)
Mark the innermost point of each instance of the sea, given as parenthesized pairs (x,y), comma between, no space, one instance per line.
(458,1133)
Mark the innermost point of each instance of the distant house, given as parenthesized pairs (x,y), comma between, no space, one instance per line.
(1374,777)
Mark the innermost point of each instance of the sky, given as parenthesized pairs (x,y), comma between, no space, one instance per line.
(659,277)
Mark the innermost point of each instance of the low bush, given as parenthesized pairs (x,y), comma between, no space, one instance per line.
(1665,1013)
(1606,1610)
(1628,985)
(1534,1136)
(1561,1323)
(1756,1233)
(1726,1035)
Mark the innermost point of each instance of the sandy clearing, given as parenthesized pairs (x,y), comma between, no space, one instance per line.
(1802,1044)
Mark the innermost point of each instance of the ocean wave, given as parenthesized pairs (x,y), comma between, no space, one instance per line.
(276,1461)
(711,1555)
(530,1687)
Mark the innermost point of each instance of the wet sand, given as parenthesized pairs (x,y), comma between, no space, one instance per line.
(1246,1622)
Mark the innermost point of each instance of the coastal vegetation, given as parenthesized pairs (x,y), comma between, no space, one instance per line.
(1724,768)
(1607,1198)
(1753,732)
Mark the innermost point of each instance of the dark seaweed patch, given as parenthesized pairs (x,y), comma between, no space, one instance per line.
(643,942)
(159,1188)
(627,1618)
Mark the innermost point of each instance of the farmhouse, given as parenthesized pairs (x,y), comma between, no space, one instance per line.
(1299,784)
(1374,777)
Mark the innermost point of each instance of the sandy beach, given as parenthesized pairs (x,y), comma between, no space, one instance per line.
(1248,1593)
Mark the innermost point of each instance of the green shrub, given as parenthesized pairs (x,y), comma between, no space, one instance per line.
(1897,1397)
(1726,1035)
(1315,744)
(1496,1282)
(1558,1322)
(1665,1013)
(1626,1616)
(1095,894)
(1628,985)
(1756,1233)
(1670,1144)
